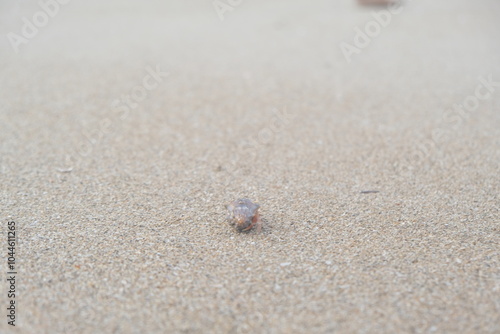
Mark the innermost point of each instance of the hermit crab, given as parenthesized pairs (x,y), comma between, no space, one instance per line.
(244,214)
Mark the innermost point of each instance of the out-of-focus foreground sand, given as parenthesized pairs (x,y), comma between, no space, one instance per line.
(120,215)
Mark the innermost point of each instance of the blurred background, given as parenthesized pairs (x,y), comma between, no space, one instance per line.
(264,52)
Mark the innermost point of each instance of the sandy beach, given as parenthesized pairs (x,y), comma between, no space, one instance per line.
(369,136)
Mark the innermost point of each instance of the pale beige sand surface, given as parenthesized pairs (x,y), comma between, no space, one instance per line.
(120,214)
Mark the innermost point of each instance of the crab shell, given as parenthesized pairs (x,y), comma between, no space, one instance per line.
(243,214)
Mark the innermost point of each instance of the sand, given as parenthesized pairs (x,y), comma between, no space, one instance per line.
(126,128)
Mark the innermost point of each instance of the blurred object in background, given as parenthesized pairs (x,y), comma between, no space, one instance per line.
(377,2)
